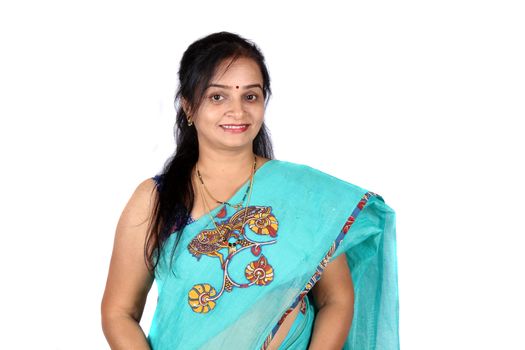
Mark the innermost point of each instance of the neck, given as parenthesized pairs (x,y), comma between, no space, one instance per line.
(227,166)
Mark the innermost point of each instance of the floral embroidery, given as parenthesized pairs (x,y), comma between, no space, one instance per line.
(263,224)
(230,236)
(259,272)
(200,296)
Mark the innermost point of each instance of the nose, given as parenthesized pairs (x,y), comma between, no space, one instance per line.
(237,108)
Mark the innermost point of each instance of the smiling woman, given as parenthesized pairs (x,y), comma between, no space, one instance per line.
(247,251)
(228,108)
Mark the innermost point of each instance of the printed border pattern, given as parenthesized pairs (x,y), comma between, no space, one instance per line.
(322,265)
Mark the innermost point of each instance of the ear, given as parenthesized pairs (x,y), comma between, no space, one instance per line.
(185,106)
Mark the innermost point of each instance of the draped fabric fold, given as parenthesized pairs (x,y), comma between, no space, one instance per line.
(231,288)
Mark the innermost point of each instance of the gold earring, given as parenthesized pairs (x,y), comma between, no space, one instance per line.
(190,123)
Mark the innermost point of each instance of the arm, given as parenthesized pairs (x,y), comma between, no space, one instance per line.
(333,297)
(129,280)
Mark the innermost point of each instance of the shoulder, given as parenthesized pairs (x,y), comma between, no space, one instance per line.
(310,177)
(140,204)
(146,188)
(320,187)
(157,180)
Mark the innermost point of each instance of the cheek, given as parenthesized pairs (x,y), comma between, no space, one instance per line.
(257,110)
(209,115)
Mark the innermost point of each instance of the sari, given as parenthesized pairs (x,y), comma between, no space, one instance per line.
(232,286)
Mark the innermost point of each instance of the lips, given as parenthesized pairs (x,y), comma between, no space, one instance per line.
(235,126)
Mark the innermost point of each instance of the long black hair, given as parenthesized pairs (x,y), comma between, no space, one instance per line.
(175,199)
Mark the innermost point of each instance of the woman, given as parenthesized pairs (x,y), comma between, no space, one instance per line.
(248,252)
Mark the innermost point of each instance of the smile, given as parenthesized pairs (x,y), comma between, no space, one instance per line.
(236,128)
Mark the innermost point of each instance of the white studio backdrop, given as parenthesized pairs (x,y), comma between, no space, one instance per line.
(418,101)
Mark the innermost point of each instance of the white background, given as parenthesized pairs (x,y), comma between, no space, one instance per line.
(418,101)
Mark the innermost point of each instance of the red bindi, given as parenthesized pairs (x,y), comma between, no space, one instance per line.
(237,86)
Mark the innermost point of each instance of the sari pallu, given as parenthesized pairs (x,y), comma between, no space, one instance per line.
(232,288)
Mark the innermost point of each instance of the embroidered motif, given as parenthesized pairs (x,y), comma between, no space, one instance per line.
(303,306)
(259,272)
(199,297)
(202,297)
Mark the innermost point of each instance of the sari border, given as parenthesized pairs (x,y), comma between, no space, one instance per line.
(322,265)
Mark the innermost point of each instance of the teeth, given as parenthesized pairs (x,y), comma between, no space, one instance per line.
(233,127)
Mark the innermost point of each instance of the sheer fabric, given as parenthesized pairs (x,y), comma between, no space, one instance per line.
(231,288)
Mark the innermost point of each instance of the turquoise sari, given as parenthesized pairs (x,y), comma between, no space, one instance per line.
(233,287)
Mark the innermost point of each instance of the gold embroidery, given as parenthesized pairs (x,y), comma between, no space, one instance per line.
(260,220)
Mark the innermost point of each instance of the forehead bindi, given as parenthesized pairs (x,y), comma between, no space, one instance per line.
(229,87)
(239,70)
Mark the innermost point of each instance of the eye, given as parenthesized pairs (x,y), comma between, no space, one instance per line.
(251,97)
(215,97)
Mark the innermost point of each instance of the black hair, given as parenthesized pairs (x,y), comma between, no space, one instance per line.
(172,206)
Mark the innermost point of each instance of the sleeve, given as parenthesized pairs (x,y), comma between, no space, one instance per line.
(158,180)
(370,248)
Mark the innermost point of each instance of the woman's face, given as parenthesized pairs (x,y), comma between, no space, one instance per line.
(233,98)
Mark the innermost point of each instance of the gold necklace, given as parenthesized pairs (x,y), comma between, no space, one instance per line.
(235,206)
(246,208)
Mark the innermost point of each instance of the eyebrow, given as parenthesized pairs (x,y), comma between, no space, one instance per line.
(230,87)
